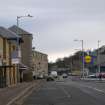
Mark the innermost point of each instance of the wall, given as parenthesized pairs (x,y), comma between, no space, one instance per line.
(26,48)
(40,63)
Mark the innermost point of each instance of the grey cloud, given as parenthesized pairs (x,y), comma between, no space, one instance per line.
(59,22)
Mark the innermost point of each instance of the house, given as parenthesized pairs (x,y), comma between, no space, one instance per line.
(26,53)
(98,56)
(9,74)
(26,46)
(40,63)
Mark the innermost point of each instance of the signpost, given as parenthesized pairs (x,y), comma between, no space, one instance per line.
(88,59)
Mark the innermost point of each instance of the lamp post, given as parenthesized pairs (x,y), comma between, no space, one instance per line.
(18,17)
(98,56)
(17,32)
(82,44)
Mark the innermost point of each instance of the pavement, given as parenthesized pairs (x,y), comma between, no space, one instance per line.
(68,92)
(13,95)
(74,78)
(93,79)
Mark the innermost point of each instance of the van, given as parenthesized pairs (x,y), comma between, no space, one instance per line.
(54,74)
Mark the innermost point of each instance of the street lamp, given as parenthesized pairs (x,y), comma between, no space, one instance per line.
(98,56)
(82,42)
(17,32)
(18,17)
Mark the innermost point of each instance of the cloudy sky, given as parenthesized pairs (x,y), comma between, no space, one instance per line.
(56,23)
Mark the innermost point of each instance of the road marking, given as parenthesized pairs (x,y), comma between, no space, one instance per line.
(50,88)
(67,94)
(64,90)
(99,90)
(94,88)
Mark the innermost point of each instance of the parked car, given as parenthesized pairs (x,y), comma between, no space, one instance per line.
(40,76)
(102,74)
(50,78)
(64,75)
(92,76)
(54,74)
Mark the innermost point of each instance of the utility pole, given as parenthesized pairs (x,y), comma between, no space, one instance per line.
(82,42)
(18,47)
(83,58)
(98,60)
(71,65)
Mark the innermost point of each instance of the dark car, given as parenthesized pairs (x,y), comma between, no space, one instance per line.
(50,78)
(64,75)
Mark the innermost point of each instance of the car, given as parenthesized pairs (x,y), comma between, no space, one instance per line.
(54,74)
(40,76)
(50,78)
(102,74)
(92,76)
(64,75)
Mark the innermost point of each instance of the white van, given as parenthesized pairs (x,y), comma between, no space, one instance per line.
(54,74)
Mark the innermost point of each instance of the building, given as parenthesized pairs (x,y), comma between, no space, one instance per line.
(76,63)
(9,74)
(26,46)
(40,63)
(98,57)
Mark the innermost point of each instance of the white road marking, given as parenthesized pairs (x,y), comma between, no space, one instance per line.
(64,90)
(94,88)
(99,90)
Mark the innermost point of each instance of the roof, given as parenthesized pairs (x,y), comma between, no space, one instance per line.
(39,52)
(5,33)
(101,49)
(20,30)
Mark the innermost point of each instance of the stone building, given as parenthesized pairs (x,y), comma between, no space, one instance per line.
(9,74)
(40,63)
(98,57)
(26,46)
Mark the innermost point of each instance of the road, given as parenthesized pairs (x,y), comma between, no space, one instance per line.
(68,92)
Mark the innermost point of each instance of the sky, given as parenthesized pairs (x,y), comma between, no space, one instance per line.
(57,23)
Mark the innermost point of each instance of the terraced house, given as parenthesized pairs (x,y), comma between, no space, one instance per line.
(26,52)
(9,74)
(40,64)
(26,46)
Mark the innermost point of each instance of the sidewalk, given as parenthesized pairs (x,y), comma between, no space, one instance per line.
(93,79)
(9,95)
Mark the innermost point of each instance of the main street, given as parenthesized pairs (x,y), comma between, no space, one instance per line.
(68,92)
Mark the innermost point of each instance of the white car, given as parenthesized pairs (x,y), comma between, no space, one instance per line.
(54,74)
(40,76)
(92,76)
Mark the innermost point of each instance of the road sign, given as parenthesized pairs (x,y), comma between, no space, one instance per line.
(88,59)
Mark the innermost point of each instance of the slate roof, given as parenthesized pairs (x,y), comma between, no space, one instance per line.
(5,33)
(20,30)
(39,53)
